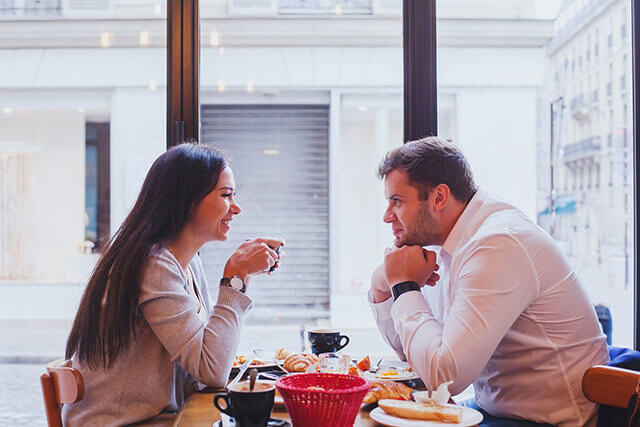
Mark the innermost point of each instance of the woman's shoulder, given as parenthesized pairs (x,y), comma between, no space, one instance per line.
(161,258)
(162,270)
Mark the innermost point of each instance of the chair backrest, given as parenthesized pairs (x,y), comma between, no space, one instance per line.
(60,384)
(608,385)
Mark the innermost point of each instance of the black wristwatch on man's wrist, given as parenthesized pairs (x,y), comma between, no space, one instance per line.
(402,287)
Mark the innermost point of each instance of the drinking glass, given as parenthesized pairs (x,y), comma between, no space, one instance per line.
(334,363)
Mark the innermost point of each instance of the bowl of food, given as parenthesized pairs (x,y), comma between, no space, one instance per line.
(322,399)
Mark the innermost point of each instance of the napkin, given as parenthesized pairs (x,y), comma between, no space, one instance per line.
(225,420)
(439,397)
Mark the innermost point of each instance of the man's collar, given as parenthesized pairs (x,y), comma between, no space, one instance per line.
(453,239)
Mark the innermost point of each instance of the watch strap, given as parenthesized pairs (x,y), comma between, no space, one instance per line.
(402,287)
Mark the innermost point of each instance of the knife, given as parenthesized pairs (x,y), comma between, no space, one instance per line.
(243,369)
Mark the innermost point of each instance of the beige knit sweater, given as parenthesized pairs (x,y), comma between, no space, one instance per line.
(172,354)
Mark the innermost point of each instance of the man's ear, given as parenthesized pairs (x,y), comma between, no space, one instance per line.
(441,195)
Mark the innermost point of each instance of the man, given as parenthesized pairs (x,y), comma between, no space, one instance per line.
(505,311)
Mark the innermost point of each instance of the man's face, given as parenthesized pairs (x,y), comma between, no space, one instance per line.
(411,219)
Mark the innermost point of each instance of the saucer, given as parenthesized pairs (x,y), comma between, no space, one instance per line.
(273,422)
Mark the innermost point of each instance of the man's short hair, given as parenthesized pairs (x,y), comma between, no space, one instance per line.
(429,162)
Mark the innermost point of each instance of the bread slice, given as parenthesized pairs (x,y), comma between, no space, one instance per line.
(419,411)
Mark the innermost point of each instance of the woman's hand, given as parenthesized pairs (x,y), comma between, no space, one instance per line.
(255,256)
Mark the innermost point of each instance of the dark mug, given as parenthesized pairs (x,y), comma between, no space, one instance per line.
(248,408)
(327,341)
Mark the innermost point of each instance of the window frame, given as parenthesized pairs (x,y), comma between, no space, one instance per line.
(183,65)
(635,55)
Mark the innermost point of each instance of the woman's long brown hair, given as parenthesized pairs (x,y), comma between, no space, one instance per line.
(106,319)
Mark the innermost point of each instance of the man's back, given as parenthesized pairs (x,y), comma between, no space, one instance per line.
(513,278)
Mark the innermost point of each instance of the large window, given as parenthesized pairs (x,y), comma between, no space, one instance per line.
(306,96)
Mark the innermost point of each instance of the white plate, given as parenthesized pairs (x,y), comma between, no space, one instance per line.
(402,376)
(404,372)
(470,417)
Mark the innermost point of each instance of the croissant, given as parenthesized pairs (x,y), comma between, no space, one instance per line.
(301,362)
(387,390)
(282,354)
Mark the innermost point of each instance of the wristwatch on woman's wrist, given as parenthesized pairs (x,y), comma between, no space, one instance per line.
(402,287)
(234,282)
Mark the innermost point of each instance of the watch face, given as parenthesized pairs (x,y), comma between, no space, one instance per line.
(236,283)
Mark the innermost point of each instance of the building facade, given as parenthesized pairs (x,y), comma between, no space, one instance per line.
(592,150)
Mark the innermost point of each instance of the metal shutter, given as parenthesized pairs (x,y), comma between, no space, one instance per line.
(284,194)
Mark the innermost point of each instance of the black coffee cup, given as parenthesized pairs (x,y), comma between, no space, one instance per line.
(327,341)
(248,408)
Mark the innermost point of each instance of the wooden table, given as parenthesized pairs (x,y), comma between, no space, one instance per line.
(199,411)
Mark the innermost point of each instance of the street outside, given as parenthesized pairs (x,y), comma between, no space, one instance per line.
(21,398)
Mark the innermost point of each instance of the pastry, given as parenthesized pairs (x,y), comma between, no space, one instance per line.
(296,362)
(282,354)
(387,390)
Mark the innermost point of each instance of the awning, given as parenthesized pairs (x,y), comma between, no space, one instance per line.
(564,204)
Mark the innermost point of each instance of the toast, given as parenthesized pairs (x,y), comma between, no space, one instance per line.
(418,411)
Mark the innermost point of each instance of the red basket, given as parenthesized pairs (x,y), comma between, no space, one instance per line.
(336,405)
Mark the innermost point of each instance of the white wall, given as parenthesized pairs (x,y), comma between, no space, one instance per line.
(138,129)
(51,197)
(497,133)
(302,67)
(497,93)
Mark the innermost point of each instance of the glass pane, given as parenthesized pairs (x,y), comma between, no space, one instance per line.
(559,119)
(82,117)
(306,96)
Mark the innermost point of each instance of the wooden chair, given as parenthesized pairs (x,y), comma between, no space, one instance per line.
(610,386)
(60,384)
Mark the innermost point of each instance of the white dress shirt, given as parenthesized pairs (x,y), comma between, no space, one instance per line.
(508,315)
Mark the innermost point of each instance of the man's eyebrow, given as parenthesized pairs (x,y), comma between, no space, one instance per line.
(397,196)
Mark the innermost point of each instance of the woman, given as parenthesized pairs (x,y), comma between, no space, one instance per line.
(146,332)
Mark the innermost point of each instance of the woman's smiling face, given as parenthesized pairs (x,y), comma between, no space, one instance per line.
(213,216)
